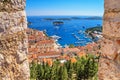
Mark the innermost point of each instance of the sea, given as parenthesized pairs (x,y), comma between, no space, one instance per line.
(72,31)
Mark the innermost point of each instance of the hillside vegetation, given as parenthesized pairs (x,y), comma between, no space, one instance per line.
(91,30)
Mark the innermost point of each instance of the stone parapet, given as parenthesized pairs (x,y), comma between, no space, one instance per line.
(13,61)
(109,65)
(111,24)
(112,5)
(12,22)
(108,69)
(12,5)
(13,41)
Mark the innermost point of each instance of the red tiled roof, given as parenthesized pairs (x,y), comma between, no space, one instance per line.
(46,41)
(31,37)
(48,54)
(33,49)
(44,55)
(40,33)
(71,50)
(64,57)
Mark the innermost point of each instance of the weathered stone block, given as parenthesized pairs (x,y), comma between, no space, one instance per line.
(109,65)
(112,5)
(108,70)
(12,22)
(1,30)
(110,48)
(13,60)
(111,24)
(111,29)
(13,41)
(12,5)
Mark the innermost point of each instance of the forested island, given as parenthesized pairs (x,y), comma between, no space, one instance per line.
(95,33)
(91,30)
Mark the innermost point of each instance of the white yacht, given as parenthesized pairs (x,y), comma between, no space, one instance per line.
(55,37)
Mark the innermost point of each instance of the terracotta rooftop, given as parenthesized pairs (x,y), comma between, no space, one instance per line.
(31,37)
(52,55)
(32,49)
(44,55)
(46,41)
(71,50)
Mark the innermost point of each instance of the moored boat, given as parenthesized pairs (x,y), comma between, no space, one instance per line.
(55,37)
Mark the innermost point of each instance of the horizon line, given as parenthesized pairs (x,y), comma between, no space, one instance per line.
(66,15)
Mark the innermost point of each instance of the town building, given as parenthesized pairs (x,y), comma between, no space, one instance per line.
(41,46)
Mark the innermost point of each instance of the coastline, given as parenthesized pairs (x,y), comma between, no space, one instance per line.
(65,31)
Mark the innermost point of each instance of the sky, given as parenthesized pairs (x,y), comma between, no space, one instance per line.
(65,7)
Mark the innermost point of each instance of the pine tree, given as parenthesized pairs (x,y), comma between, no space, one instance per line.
(84,68)
(54,72)
(47,72)
(40,72)
(33,70)
(71,71)
(63,75)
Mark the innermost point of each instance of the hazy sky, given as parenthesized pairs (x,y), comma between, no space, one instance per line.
(65,7)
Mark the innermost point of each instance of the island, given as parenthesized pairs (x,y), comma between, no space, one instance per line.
(87,18)
(93,29)
(58,23)
(49,19)
(94,18)
(64,19)
(95,33)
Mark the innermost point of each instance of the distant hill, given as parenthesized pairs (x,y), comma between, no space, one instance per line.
(51,19)
(75,18)
(94,18)
(88,18)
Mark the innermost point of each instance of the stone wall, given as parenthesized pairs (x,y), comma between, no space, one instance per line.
(109,67)
(13,41)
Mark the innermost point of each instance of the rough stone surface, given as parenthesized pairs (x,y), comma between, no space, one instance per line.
(13,22)
(13,60)
(110,71)
(112,5)
(13,41)
(110,48)
(111,24)
(12,5)
(109,67)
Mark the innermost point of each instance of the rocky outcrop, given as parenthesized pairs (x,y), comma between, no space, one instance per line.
(109,67)
(13,41)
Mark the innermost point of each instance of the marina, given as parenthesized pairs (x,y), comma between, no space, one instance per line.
(65,32)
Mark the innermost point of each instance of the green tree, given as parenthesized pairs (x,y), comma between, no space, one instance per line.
(40,72)
(47,69)
(63,75)
(85,68)
(33,70)
(71,46)
(70,69)
(80,68)
(54,71)
(91,67)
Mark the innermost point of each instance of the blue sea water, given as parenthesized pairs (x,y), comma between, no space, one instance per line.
(71,32)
